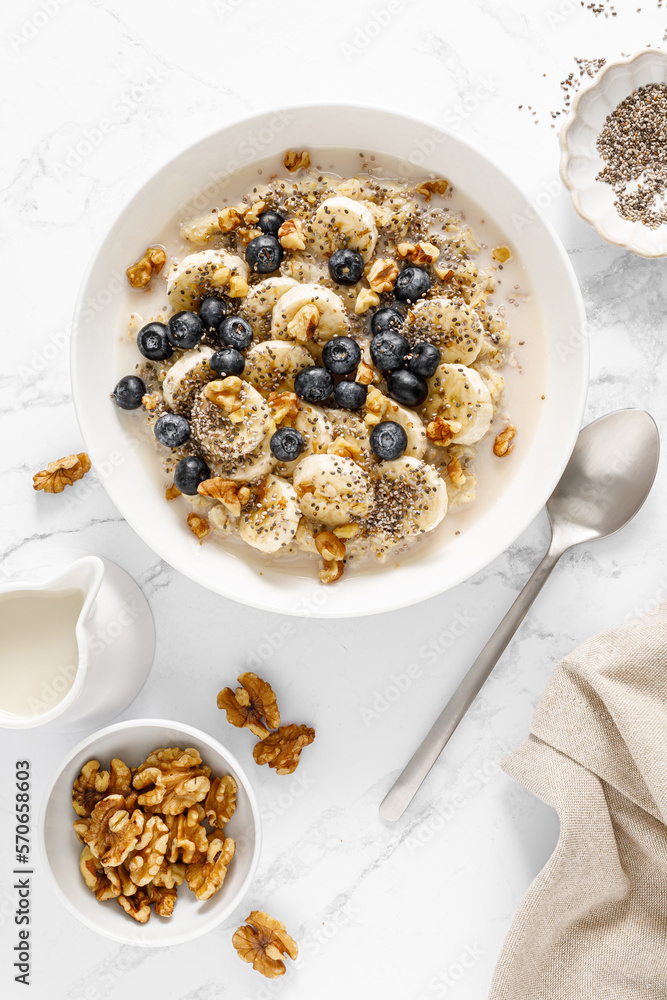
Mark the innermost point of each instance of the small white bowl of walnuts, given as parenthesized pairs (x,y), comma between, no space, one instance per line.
(151,832)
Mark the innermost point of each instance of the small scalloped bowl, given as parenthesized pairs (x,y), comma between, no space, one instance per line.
(581,162)
(60,849)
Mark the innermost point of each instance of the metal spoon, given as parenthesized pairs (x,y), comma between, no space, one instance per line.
(606,481)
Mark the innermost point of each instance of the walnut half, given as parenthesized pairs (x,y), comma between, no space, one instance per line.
(253,705)
(264,942)
(65,472)
(140,273)
(503,443)
(282,750)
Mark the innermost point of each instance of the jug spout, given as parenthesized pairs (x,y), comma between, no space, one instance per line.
(85,574)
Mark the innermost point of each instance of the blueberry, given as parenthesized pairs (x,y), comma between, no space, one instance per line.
(235,332)
(314,384)
(346,267)
(129,392)
(190,472)
(264,254)
(212,311)
(388,440)
(287,444)
(350,395)
(388,350)
(185,329)
(341,355)
(171,430)
(407,388)
(227,361)
(270,222)
(153,342)
(411,284)
(386,319)
(423,360)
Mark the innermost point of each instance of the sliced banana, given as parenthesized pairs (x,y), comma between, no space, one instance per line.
(186,377)
(273,365)
(202,228)
(332,322)
(453,327)
(412,499)
(222,522)
(380,407)
(333,490)
(458,394)
(343,222)
(352,427)
(262,297)
(230,436)
(253,466)
(273,519)
(190,279)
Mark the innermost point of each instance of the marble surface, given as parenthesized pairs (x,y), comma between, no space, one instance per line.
(413,910)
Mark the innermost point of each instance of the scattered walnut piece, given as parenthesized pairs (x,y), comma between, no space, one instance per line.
(225,393)
(331,570)
(152,262)
(456,473)
(65,472)
(284,406)
(329,545)
(264,942)
(220,278)
(366,299)
(427,188)
(151,401)
(346,531)
(248,233)
(111,831)
(172,492)
(199,526)
(93,785)
(230,218)
(172,779)
(441,431)
(503,443)
(382,275)
(294,160)
(238,287)
(302,327)
(204,878)
(345,447)
(291,235)
(253,705)
(501,254)
(418,253)
(366,375)
(220,804)
(281,750)
(224,490)
(443,270)
(138,906)
(252,214)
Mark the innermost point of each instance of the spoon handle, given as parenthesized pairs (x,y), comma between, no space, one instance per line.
(406,786)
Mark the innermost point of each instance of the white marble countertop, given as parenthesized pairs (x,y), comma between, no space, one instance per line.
(378,910)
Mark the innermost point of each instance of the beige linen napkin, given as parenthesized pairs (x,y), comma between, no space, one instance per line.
(593,925)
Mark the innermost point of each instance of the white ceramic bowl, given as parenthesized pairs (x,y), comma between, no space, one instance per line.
(60,849)
(580,161)
(129,469)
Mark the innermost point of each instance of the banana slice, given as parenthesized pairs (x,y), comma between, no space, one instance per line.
(253,466)
(222,522)
(332,321)
(352,428)
(273,519)
(379,408)
(333,490)
(458,394)
(186,377)
(190,279)
(201,229)
(411,500)
(273,365)
(452,326)
(228,435)
(342,222)
(262,297)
